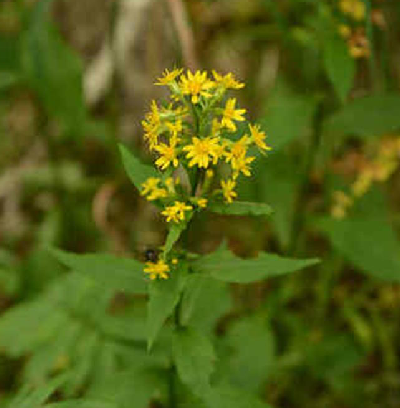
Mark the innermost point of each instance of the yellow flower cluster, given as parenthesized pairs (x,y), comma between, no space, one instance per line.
(355,9)
(194,134)
(379,169)
(355,36)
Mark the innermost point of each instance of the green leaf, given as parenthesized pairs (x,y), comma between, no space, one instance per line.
(285,103)
(339,64)
(130,388)
(164,295)
(8,80)
(204,302)
(53,70)
(173,235)
(229,397)
(114,272)
(38,320)
(194,358)
(241,208)
(367,239)
(366,117)
(278,184)
(135,169)
(27,398)
(253,357)
(82,403)
(225,266)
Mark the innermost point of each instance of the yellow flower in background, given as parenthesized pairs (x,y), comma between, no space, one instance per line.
(196,85)
(230,114)
(237,151)
(342,202)
(258,137)
(202,151)
(353,8)
(228,190)
(168,154)
(157,269)
(344,30)
(168,77)
(176,212)
(228,81)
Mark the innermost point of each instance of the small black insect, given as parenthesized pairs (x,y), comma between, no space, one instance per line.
(150,255)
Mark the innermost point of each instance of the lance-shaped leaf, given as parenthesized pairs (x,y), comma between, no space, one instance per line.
(225,266)
(28,398)
(164,296)
(339,64)
(114,272)
(194,358)
(137,171)
(241,208)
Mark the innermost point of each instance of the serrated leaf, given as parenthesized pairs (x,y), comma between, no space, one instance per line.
(339,65)
(241,208)
(367,239)
(53,70)
(225,266)
(194,358)
(366,117)
(115,272)
(229,397)
(163,297)
(135,169)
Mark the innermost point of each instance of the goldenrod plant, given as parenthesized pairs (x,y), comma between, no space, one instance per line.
(199,157)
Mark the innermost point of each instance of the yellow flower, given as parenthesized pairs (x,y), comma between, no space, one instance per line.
(157,269)
(227,190)
(202,202)
(196,85)
(175,128)
(237,151)
(168,77)
(149,185)
(201,151)
(168,154)
(152,125)
(151,189)
(241,165)
(227,81)
(344,30)
(230,114)
(258,137)
(354,8)
(176,212)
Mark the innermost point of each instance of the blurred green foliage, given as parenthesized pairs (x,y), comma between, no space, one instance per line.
(323,337)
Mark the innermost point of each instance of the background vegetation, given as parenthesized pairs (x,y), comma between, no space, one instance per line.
(322,77)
